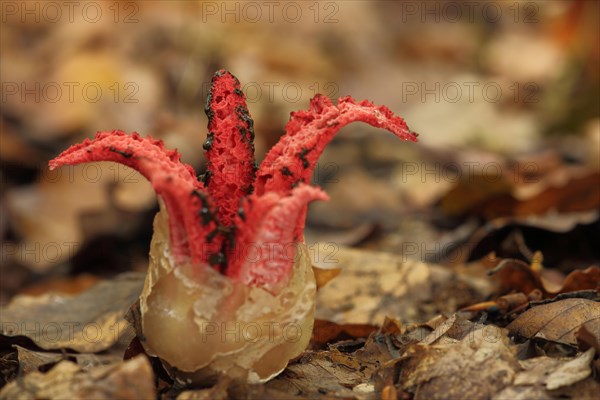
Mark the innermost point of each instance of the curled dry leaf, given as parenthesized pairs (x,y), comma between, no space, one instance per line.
(558,321)
(62,201)
(94,321)
(68,380)
(540,375)
(492,199)
(516,275)
(326,372)
(373,285)
(324,275)
(329,332)
(31,360)
(571,372)
(478,366)
(370,286)
(589,335)
(217,392)
(545,230)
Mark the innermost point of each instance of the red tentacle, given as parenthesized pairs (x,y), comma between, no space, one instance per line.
(229,146)
(265,243)
(293,159)
(191,215)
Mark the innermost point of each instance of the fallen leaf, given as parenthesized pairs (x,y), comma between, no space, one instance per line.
(588,278)
(31,360)
(589,335)
(370,286)
(517,276)
(325,332)
(575,191)
(373,285)
(565,239)
(66,285)
(68,380)
(323,373)
(217,392)
(477,366)
(557,321)
(346,237)
(89,322)
(540,377)
(63,200)
(571,372)
(324,275)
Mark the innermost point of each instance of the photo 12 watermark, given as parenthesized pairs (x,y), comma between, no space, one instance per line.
(468,172)
(29,253)
(490,12)
(70,92)
(92,172)
(318,12)
(287,92)
(50,12)
(470,92)
(64,332)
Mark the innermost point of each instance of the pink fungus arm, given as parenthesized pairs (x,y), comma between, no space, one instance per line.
(264,244)
(229,146)
(294,157)
(191,216)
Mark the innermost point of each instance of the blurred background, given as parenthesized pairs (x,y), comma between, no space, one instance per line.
(505,97)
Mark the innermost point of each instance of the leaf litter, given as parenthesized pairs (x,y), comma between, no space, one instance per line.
(392,325)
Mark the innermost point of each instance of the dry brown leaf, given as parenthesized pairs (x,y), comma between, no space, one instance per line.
(588,278)
(217,392)
(579,194)
(15,148)
(90,322)
(327,372)
(552,373)
(555,234)
(345,237)
(371,286)
(589,335)
(516,275)
(62,200)
(558,321)
(440,330)
(324,275)
(478,366)
(356,197)
(67,380)
(577,191)
(66,285)
(325,332)
(30,361)
(571,372)
(478,196)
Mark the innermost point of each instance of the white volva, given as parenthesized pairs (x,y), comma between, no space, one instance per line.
(202,323)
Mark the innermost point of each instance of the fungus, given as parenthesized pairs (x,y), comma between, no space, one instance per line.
(230,288)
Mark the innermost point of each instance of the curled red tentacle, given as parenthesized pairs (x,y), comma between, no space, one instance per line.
(264,244)
(229,146)
(293,159)
(191,214)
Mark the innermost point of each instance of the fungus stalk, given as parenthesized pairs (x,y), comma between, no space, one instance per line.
(230,288)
